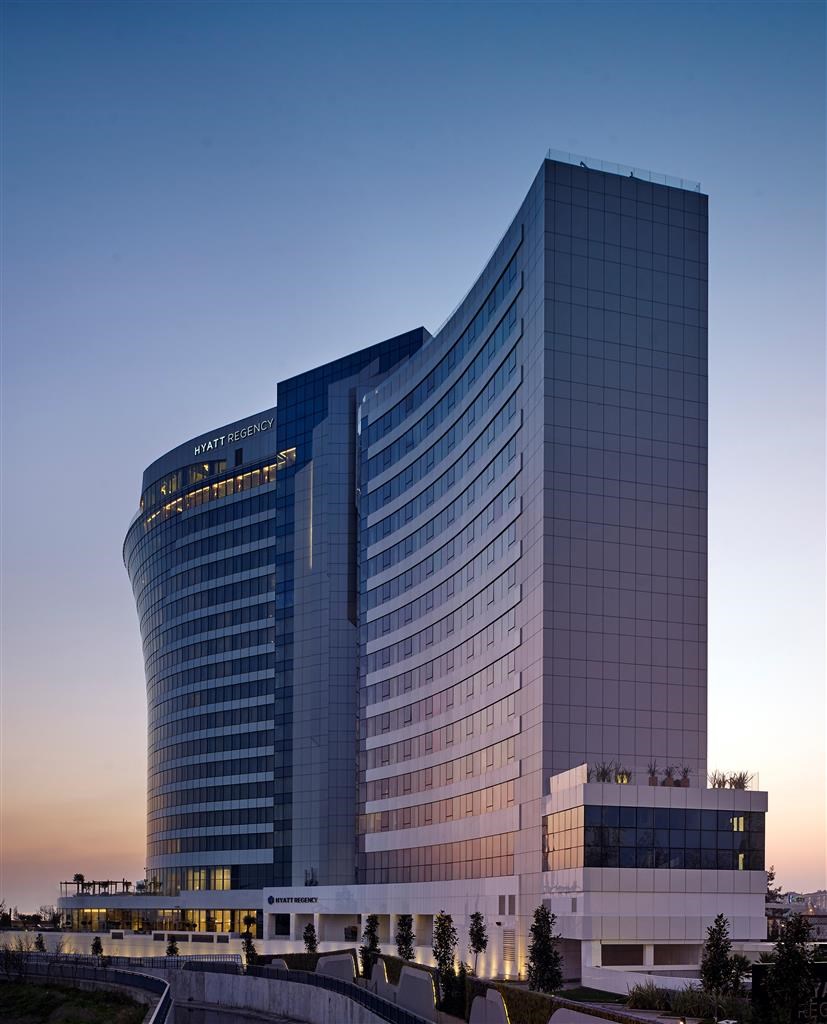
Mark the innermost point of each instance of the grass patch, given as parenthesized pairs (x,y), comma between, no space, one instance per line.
(44,1004)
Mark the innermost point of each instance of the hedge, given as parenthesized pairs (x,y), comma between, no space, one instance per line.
(529,1007)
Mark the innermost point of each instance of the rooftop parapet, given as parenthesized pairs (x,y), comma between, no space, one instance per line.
(609,167)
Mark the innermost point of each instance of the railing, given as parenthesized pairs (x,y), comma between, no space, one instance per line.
(363,997)
(106,887)
(163,962)
(593,164)
(55,968)
(668,773)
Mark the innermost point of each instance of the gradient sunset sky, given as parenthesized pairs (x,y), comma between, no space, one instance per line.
(199,199)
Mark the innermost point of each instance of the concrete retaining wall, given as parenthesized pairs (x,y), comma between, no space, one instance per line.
(301,1002)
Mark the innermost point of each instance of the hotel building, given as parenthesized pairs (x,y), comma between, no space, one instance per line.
(437,615)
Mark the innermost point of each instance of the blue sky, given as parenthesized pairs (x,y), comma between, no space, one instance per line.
(199,199)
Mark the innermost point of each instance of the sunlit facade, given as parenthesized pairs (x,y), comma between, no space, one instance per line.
(433,634)
(532,599)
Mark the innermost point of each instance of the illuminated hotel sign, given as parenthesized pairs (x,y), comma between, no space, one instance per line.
(292,899)
(235,435)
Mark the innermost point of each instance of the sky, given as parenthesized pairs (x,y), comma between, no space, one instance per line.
(200,199)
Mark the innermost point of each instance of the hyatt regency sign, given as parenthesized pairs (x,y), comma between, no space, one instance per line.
(233,436)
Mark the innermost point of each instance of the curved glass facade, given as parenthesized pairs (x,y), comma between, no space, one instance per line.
(201,558)
(533,532)
(440,550)
(241,563)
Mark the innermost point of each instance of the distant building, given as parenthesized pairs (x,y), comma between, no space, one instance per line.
(812,906)
(449,651)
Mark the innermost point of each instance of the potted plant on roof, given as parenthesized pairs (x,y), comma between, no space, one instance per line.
(668,775)
(739,780)
(686,771)
(623,776)
(653,773)
(717,779)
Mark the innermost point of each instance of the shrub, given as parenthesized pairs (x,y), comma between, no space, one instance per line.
(692,1002)
(688,1002)
(311,943)
(648,996)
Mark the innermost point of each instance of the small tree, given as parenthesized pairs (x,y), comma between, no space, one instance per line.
(790,976)
(445,941)
(545,965)
(172,946)
(311,943)
(405,937)
(477,936)
(369,950)
(97,946)
(39,944)
(444,948)
(249,947)
(773,890)
(247,944)
(716,961)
